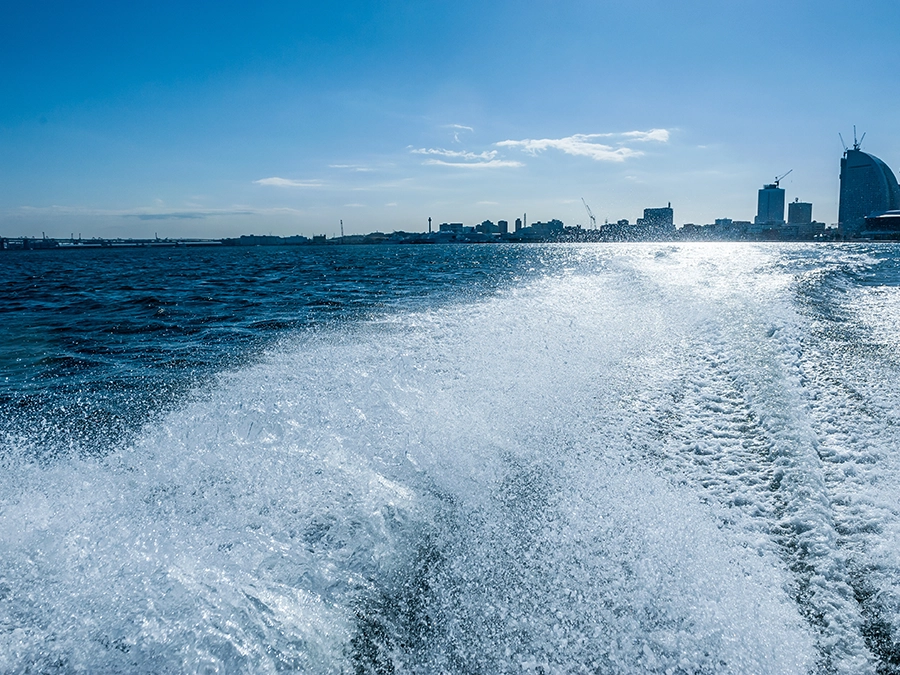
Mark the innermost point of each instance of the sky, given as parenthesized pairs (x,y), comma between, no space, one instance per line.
(212,119)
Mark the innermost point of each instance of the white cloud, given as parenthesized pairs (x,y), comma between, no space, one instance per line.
(351,167)
(585,145)
(486,159)
(288,182)
(491,164)
(579,144)
(660,135)
(460,127)
(456,154)
(457,128)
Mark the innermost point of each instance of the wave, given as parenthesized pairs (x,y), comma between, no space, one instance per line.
(626,466)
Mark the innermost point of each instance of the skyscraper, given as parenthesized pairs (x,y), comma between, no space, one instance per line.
(799,213)
(770,205)
(868,187)
(659,221)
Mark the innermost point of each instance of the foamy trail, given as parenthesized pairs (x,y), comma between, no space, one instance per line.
(615,469)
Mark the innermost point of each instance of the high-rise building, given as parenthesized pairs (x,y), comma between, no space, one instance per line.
(487,227)
(799,213)
(657,223)
(770,205)
(504,226)
(868,187)
(659,219)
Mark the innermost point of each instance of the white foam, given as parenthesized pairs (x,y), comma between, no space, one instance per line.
(576,474)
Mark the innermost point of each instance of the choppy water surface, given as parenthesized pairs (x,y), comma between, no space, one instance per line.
(546,459)
(92,344)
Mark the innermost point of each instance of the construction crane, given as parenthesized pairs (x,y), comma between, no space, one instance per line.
(590,214)
(857,143)
(778,178)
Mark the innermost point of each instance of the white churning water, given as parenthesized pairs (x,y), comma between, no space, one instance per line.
(665,460)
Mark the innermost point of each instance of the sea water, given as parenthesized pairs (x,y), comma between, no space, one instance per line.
(465,459)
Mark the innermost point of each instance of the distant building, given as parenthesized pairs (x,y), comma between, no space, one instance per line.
(618,231)
(729,229)
(811,230)
(503,226)
(662,219)
(799,213)
(868,188)
(554,226)
(451,227)
(883,226)
(770,205)
(518,224)
(656,224)
(270,240)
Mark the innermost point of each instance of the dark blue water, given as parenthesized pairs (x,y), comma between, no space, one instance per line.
(93,343)
(463,459)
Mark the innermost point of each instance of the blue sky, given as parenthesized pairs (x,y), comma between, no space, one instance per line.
(222,118)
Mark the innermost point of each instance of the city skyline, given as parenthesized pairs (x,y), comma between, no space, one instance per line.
(219,121)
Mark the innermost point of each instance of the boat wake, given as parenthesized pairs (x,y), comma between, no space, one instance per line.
(660,460)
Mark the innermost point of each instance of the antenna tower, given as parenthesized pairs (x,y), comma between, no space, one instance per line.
(857,144)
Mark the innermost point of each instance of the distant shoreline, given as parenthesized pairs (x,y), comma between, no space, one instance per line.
(397,238)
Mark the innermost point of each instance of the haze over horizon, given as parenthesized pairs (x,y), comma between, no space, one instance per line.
(215,120)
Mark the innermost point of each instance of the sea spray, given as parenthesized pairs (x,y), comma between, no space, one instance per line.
(458,489)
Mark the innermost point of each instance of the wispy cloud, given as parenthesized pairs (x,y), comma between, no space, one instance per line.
(579,144)
(586,145)
(660,135)
(457,128)
(350,167)
(492,164)
(275,181)
(464,159)
(455,154)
